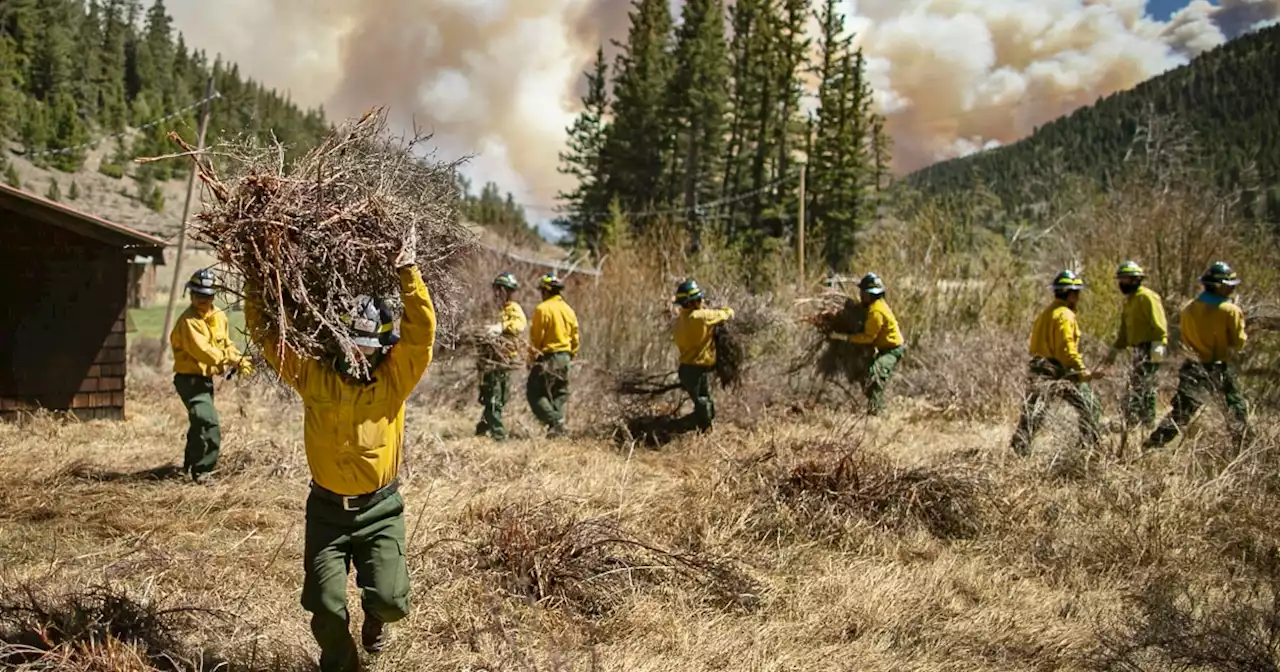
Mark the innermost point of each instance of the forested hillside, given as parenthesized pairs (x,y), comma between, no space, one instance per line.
(1228,98)
(73,72)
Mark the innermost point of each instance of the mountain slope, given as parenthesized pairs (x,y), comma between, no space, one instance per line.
(1227,97)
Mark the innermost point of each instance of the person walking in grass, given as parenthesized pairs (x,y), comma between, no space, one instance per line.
(553,337)
(495,376)
(880,332)
(1057,369)
(694,338)
(1213,334)
(1144,332)
(202,349)
(354,436)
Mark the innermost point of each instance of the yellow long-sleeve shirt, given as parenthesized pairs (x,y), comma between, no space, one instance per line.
(354,432)
(1056,336)
(881,328)
(693,333)
(202,344)
(554,328)
(513,324)
(1214,333)
(1142,320)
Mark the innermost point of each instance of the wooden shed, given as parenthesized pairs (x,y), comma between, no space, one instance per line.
(66,281)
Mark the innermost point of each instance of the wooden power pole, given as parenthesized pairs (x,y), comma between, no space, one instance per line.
(182,232)
(800,245)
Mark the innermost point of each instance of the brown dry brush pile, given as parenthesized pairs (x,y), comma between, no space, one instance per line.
(552,556)
(313,236)
(103,629)
(950,500)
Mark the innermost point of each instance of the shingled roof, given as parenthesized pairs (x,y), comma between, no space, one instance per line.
(91,226)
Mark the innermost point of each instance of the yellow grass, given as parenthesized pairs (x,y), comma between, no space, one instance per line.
(1055,556)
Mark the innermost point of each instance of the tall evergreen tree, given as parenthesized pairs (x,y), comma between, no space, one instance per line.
(585,206)
(695,106)
(88,60)
(638,143)
(51,62)
(111,85)
(842,166)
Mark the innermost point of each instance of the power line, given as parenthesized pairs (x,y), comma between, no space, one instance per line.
(93,144)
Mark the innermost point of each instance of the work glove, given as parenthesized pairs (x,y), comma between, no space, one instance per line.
(1157,353)
(408,255)
(838,336)
(494,330)
(244,367)
(729,313)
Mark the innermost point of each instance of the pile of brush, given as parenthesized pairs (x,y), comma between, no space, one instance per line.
(837,360)
(550,555)
(307,239)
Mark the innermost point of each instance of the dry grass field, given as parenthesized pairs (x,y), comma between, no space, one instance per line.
(792,538)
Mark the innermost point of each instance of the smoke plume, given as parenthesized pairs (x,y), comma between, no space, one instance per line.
(499,79)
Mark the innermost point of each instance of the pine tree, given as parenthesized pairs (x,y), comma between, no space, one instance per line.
(12,178)
(749,56)
(69,133)
(111,85)
(87,61)
(74,192)
(638,144)
(842,166)
(53,193)
(695,106)
(52,63)
(585,204)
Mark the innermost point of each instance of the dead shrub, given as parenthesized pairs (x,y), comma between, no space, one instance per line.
(948,501)
(1234,627)
(103,629)
(551,556)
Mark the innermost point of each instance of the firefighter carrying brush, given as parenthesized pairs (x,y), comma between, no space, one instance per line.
(495,376)
(354,436)
(881,332)
(694,338)
(1057,369)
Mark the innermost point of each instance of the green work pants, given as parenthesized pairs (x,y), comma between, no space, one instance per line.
(1197,382)
(495,384)
(1140,399)
(373,539)
(1045,381)
(878,375)
(204,436)
(696,381)
(548,389)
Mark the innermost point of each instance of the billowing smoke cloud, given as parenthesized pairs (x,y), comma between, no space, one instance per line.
(499,79)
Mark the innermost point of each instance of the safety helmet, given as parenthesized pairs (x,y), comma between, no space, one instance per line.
(688,291)
(372,324)
(203,282)
(1130,269)
(1220,274)
(506,280)
(1067,281)
(871,284)
(550,282)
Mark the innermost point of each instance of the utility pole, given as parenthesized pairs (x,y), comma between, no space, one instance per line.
(800,247)
(182,232)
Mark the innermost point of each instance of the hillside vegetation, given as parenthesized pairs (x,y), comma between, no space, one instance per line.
(1226,100)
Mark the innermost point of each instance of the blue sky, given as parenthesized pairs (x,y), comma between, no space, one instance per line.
(1162,9)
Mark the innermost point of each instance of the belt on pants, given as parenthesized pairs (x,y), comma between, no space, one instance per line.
(357,502)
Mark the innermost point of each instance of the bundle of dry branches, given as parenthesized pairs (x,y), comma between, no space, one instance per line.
(308,239)
(550,555)
(837,359)
(733,339)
